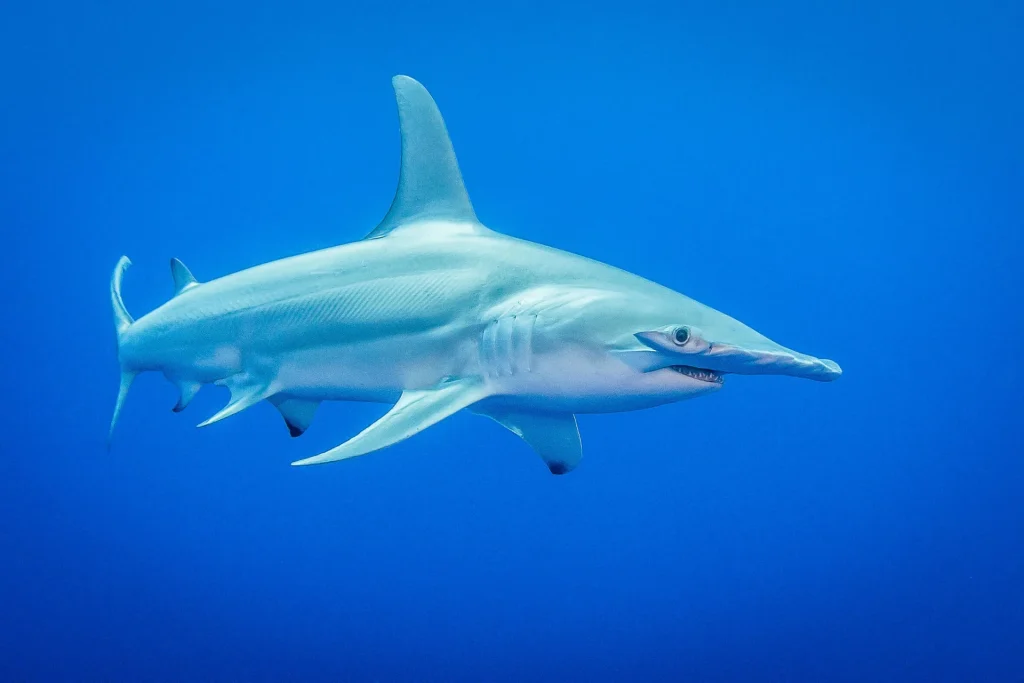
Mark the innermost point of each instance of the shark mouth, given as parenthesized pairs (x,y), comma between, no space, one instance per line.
(709,376)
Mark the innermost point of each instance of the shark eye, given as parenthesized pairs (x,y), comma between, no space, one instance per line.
(681,335)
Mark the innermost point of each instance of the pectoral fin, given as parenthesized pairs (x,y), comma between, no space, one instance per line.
(414,412)
(554,436)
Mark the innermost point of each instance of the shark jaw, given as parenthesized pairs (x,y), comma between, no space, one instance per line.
(709,376)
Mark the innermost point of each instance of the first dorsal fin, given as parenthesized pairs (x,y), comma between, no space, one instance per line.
(183,277)
(430,184)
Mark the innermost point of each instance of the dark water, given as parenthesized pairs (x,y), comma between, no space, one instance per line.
(846,180)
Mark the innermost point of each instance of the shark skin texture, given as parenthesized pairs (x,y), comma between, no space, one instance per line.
(436,313)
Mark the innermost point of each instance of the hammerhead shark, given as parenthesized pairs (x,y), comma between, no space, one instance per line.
(434,312)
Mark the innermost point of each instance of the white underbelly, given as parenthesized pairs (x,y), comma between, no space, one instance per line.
(578,379)
(379,370)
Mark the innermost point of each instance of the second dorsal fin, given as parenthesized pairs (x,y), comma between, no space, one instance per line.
(430,186)
(183,277)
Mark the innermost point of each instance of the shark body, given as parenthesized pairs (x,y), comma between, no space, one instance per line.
(436,313)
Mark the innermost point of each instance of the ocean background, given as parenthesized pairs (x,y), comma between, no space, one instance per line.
(845,177)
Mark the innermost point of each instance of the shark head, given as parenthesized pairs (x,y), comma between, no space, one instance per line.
(679,348)
(711,344)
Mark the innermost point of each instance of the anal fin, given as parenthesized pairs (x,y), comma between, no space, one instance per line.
(297,413)
(414,412)
(554,436)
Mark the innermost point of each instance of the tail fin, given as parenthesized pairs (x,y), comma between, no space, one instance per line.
(122,321)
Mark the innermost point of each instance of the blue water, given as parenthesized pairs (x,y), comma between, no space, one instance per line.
(846,178)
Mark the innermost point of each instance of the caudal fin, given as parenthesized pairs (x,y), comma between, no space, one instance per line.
(122,321)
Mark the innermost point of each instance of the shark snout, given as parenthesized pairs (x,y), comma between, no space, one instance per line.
(754,355)
(768,359)
(780,361)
